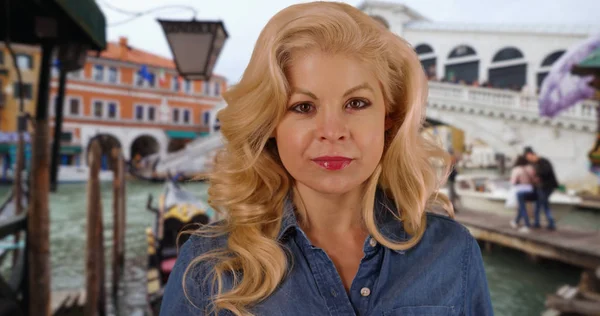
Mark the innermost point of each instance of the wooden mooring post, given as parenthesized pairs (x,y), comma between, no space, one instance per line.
(95,286)
(123,200)
(118,248)
(38,222)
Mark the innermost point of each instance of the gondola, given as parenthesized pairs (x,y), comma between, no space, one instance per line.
(12,233)
(177,209)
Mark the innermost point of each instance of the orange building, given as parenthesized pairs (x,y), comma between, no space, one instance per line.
(136,99)
(28,62)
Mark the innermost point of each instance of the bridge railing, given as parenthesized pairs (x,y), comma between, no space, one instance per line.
(506,101)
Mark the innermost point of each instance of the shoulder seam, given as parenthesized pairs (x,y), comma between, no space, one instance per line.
(431,214)
(451,221)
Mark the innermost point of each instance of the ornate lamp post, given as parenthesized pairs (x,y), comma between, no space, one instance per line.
(195,45)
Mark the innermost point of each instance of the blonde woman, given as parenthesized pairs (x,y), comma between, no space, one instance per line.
(325,182)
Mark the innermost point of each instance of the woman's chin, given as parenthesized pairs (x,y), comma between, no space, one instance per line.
(333,186)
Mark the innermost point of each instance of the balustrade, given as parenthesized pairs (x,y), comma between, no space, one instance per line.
(469,99)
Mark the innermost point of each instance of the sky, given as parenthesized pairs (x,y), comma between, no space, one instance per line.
(244,19)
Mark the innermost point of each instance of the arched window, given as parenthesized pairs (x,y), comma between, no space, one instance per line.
(550,59)
(507,54)
(462,51)
(423,49)
(463,70)
(508,76)
(428,60)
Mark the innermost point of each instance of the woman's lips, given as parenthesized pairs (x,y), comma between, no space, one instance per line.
(333,162)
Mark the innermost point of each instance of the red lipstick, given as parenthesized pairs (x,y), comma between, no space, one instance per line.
(333,162)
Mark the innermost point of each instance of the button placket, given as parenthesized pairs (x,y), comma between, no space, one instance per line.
(372,242)
(365,292)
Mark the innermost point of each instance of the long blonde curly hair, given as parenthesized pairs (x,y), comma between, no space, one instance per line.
(249,184)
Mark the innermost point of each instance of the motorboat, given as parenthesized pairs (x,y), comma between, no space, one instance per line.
(487,193)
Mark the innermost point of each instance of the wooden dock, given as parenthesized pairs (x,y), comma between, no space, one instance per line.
(68,303)
(566,244)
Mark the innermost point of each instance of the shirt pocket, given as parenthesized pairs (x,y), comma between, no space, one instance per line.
(421,311)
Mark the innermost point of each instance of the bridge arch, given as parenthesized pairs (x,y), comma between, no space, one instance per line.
(506,141)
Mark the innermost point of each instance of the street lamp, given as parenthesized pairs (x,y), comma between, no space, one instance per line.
(195,45)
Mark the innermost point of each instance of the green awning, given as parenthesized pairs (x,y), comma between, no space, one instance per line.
(590,65)
(5,148)
(70,150)
(79,22)
(87,15)
(181,134)
(592,61)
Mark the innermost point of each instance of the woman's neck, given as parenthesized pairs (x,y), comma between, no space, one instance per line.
(330,213)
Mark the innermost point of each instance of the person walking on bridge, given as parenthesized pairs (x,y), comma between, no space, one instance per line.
(546,183)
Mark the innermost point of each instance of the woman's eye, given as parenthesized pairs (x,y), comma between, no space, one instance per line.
(303,108)
(357,104)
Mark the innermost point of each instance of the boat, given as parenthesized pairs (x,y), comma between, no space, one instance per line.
(589,202)
(190,163)
(487,193)
(177,210)
(70,174)
(80,174)
(12,253)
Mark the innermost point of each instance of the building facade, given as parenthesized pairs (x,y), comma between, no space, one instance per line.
(500,56)
(485,79)
(28,61)
(134,99)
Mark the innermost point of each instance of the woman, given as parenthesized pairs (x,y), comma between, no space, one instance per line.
(522,179)
(325,180)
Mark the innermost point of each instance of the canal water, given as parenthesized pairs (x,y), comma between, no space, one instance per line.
(518,286)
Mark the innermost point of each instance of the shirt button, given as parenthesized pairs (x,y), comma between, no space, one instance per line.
(373,242)
(365,291)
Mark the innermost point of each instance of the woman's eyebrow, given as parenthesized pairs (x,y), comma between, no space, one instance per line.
(362,86)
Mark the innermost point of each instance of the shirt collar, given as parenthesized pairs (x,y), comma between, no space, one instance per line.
(385,209)
(289,221)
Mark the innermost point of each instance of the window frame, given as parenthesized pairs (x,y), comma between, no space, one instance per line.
(93,108)
(117,75)
(189,116)
(29,58)
(95,72)
(117,108)
(67,106)
(17,95)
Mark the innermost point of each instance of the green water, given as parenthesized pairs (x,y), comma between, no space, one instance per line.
(517,286)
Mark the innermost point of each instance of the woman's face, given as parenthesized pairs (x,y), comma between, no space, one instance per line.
(332,135)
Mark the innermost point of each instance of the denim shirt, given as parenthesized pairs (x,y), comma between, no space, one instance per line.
(442,275)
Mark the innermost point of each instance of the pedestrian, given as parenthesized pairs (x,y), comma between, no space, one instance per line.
(452,180)
(522,179)
(325,181)
(546,183)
